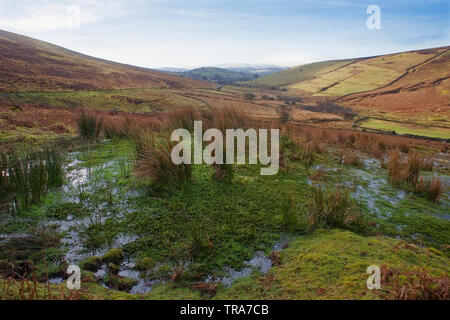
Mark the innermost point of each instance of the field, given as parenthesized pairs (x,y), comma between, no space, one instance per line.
(87,179)
(404,129)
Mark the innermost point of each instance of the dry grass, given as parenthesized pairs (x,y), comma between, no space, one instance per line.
(432,189)
(154,164)
(416,284)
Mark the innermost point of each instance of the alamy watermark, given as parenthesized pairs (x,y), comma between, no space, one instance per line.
(374,20)
(74,280)
(374,281)
(258,145)
(74,17)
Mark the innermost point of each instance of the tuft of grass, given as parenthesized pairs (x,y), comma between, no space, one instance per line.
(332,207)
(53,165)
(5,184)
(154,164)
(90,125)
(432,188)
(29,178)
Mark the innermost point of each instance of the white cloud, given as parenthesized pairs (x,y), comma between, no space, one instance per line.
(44,15)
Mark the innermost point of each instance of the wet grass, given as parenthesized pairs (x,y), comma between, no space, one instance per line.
(198,230)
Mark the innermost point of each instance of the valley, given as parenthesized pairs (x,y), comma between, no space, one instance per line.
(87,180)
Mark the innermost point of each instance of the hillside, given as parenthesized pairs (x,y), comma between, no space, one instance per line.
(217,75)
(300,73)
(407,86)
(27,64)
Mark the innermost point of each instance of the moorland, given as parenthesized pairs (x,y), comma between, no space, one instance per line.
(87,179)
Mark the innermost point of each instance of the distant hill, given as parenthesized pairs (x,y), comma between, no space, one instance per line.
(28,64)
(228,75)
(217,75)
(260,70)
(412,86)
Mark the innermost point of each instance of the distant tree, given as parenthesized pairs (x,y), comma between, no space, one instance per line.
(250,96)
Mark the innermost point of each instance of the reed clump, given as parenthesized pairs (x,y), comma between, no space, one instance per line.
(90,125)
(332,207)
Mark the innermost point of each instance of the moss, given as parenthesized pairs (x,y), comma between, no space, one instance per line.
(145,263)
(91,264)
(113,255)
(113,268)
(62,211)
(88,277)
(120,283)
(332,264)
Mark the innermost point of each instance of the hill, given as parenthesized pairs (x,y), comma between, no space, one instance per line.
(217,75)
(406,86)
(28,64)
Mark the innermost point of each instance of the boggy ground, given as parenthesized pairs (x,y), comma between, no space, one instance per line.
(197,240)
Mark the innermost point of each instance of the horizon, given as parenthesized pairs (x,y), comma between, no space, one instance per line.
(174,34)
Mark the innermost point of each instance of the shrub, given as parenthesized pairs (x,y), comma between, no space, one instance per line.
(120,283)
(90,125)
(113,255)
(249,96)
(91,263)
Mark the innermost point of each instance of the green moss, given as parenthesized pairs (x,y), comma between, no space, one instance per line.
(145,263)
(113,268)
(91,264)
(63,210)
(332,264)
(113,255)
(120,283)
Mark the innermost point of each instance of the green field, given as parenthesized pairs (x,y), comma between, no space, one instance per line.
(402,128)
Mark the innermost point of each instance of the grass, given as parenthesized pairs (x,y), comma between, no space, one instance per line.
(327,264)
(332,264)
(154,164)
(332,208)
(90,125)
(300,73)
(199,229)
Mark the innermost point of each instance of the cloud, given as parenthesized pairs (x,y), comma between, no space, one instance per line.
(44,15)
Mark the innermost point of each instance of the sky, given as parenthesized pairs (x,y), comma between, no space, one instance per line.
(194,33)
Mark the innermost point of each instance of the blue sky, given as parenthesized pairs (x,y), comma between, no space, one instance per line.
(176,33)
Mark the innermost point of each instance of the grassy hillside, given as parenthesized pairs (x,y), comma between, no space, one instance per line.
(27,64)
(422,93)
(408,86)
(300,73)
